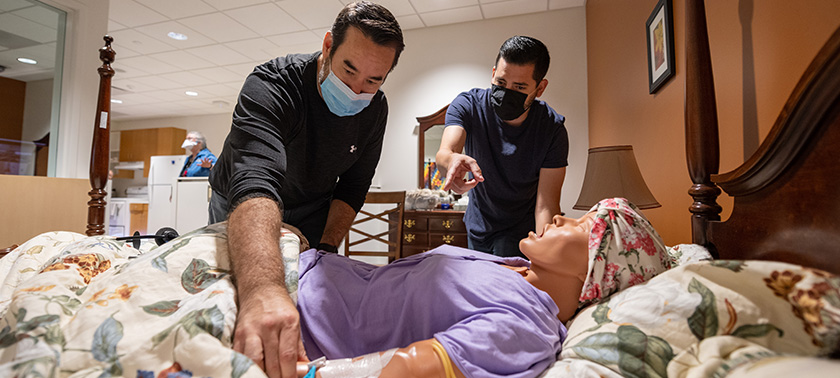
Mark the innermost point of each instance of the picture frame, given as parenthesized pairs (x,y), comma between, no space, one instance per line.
(660,45)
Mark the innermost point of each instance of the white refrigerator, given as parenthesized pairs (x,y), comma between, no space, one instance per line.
(163,190)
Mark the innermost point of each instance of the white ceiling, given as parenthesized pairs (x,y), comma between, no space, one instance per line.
(227,38)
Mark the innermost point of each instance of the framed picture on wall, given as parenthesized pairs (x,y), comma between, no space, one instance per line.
(660,45)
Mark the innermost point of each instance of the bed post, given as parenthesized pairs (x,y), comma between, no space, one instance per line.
(701,124)
(101,137)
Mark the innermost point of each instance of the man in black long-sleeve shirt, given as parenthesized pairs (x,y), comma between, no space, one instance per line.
(305,141)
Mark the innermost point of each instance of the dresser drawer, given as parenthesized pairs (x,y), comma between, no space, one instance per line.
(412,250)
(411,238)
(447,224)
(413,223)
(451,238)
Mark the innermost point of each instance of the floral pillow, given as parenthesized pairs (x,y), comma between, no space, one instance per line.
(639,331)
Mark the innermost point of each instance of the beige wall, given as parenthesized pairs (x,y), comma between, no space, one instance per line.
(36,115)
(437,64)
(757,62)
(34,205)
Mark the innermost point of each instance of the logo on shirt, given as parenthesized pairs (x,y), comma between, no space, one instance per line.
(353,148)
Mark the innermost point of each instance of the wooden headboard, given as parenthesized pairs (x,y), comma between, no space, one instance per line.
(101,138)
(787,195)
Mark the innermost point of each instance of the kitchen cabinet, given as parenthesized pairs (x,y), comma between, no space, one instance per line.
(139,217)
(141,144)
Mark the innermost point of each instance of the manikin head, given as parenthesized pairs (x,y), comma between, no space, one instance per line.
(610,248)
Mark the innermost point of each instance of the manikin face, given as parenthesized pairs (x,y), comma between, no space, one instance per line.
(358,62)
(562,247)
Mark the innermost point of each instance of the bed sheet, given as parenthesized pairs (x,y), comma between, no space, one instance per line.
(708,318)
(94,307)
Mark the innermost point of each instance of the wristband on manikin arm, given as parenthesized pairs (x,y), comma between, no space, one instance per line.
(369,365)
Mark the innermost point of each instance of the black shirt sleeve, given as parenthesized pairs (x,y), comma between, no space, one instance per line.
(254,150)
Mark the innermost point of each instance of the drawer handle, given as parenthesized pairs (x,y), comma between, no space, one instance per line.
(447,224)
(448,239)
(409,223)
(409,238)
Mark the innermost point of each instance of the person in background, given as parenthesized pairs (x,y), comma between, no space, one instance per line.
(303,147)
(514,147)
(200,161)
(406,320)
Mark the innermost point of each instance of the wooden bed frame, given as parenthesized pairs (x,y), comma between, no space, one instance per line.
(786,201)
(785,196)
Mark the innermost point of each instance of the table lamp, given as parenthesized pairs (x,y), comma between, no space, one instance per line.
(612,172)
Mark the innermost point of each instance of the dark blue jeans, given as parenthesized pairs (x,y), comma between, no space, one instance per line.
(505,244)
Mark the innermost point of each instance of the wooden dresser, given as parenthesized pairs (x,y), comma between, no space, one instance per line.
(424,230)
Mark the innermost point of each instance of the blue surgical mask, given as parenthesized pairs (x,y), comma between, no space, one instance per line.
(341,100)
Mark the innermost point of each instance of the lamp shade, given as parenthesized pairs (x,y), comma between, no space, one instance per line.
(612,172)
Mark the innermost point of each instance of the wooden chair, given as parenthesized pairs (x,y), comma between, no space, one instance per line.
(392,216)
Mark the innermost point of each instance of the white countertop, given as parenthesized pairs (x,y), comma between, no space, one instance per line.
(130,199)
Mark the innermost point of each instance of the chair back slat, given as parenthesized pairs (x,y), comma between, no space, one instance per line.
(392,216)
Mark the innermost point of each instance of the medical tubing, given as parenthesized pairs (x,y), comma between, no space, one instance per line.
(369,365)
(444,358)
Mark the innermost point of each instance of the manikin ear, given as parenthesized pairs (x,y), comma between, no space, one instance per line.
(541,87)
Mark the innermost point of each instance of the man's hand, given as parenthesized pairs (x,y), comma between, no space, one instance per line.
(268,325)
(206,163)
(268,332)
(460,165)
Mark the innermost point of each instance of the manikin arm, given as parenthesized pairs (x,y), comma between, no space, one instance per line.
(418,360)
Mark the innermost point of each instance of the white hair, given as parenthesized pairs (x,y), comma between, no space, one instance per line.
(199,137)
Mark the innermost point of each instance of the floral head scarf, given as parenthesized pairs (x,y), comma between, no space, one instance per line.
(624,250)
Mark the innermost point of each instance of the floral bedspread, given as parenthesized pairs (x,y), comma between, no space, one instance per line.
(711,318)
(79,306)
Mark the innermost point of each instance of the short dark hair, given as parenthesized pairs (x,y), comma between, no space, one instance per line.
(374,21)
(522,50)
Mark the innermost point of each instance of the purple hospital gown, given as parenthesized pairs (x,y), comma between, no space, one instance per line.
(491,322)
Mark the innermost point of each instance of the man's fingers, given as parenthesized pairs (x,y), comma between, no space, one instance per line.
(302,351)
(469,184)
(288,351)
(476,170)
(272,362)
(254,351)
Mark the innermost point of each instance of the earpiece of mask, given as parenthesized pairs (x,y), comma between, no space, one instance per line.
(340,99)
(507,103)
(188,144)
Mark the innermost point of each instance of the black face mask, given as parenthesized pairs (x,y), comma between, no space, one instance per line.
(507,103)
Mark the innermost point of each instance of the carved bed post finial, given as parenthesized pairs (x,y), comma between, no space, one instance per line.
(101,138)
(701,124)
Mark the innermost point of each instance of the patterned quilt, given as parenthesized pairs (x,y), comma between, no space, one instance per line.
(79,306)
(711,319)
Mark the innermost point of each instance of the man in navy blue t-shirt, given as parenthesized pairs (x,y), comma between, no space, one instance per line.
(513,147)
